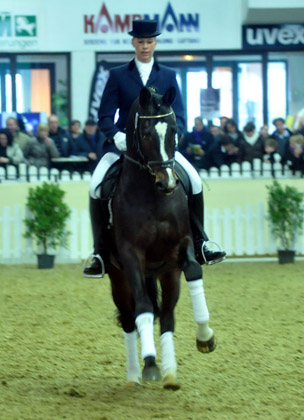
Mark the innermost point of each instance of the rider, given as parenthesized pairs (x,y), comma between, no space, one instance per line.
(122,88)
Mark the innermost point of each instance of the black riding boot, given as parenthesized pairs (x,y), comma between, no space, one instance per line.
(203,254)
(99,219)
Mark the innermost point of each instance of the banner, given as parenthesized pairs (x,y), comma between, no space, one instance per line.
(273,37)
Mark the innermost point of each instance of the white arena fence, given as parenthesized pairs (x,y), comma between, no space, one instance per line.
(244,170)
(242,231)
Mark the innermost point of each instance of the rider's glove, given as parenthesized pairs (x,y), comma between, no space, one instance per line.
(120,141)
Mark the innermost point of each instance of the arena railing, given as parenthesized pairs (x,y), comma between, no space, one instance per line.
(244,170)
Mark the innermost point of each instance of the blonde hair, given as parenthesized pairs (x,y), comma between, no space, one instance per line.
(42,127)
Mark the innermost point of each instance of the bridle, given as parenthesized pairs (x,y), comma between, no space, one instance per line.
(151,163)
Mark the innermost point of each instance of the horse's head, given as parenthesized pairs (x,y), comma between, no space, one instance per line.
(155,134)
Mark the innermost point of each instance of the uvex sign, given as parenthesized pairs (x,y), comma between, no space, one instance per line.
(273,37)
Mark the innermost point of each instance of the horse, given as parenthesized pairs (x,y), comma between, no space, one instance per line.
(150,238)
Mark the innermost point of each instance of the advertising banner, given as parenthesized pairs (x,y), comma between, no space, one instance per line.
(273,37)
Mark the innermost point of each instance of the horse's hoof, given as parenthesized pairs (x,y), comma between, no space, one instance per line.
(169,382)
(151,373)
(206,346)
(133,384)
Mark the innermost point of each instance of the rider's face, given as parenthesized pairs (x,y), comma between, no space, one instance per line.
(144,48)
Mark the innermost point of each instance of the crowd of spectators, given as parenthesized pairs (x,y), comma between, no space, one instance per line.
(53,146)
(77,149)
(214,146)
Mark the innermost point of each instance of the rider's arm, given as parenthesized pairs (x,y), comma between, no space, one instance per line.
(108,107)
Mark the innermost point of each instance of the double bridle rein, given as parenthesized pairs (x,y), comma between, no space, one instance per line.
(149,165)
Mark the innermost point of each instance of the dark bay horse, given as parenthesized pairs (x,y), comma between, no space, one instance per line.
(151,236)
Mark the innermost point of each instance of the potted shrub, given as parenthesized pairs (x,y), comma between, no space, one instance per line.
(46,220)
(286,213)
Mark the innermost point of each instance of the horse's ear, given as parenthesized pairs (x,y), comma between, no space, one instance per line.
(144,97)
(169,96)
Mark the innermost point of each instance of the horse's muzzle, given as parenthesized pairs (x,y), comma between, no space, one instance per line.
(166,182)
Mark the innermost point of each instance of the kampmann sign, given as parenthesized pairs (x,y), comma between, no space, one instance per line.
(276,37)
(168,21)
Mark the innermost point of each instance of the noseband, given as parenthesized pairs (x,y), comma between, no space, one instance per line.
(149,165)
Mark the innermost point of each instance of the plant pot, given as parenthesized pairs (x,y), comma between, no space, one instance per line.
(286,256)
(45,261)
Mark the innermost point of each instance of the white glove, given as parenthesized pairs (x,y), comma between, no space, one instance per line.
(120,141)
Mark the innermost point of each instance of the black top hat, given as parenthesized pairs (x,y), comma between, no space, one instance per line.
(144,28)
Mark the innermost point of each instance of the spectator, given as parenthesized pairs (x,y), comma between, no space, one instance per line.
(40,149)
(281,134)
(75,129)
(223,122)
(264,131)
(231,129)
(296,149)
(90,144)
(253,143)
(216,131)
(19,137)
(194,145)
(224,152)
(270,149)
(10,152)
(62,139)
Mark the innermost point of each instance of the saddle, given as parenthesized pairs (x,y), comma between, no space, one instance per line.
(109,184)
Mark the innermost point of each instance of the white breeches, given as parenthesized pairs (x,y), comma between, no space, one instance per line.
(109,158)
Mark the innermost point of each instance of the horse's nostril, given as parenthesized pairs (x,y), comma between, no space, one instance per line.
(160,186)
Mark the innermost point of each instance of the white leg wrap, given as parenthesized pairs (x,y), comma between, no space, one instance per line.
(194,177)
(105,162)
(169,364)
(200,310)
(144,323)
(133,368)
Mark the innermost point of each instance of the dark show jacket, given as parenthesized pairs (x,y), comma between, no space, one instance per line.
(123,87)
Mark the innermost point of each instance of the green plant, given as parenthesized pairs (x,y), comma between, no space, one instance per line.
(286,213)
(48,214)
(60,103)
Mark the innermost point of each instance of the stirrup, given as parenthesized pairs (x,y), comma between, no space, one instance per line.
(220,249)
(103,271)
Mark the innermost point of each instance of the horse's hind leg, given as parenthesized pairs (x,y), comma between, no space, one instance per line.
(205,340)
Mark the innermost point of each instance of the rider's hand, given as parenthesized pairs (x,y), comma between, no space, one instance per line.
(120,141)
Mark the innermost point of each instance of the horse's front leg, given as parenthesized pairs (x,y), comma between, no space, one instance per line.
(133,263)
(170,283)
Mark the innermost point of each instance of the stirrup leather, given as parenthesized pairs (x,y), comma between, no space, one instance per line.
(103,271)
(219,250)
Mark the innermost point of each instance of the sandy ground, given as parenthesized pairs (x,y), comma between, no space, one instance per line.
(63,357)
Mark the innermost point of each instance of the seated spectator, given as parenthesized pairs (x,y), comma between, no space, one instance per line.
(296,148)
(10,152)
(253,143)
(40,149)
(224,152)
(75,129)
(62,139)
(19,137)
(91,144)
(270,148)
(223,122)
(231,129)
(194,145)
(264,131)
(281,134)
(216,131)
